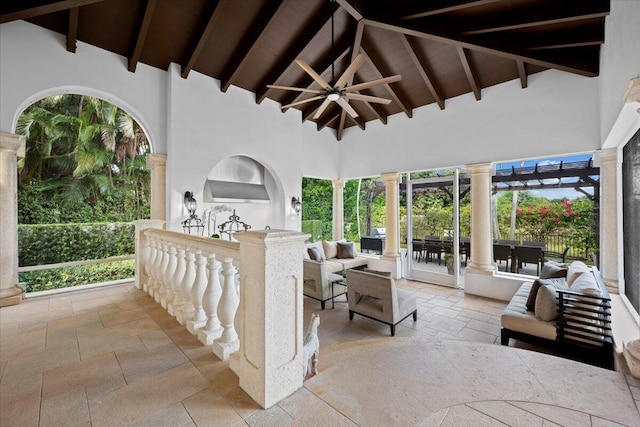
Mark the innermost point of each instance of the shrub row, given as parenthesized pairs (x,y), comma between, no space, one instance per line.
(66,277)
(313,227)
(55,243)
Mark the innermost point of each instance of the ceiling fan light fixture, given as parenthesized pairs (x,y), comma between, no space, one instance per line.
(333,96)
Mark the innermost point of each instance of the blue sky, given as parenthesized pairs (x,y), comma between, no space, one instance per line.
(552,193)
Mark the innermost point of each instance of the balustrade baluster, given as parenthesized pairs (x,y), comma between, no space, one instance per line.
(148,287)
(228,343)
(177,280)
(162,278)
(210,300)
(171,268)
(197,291)
(185,312)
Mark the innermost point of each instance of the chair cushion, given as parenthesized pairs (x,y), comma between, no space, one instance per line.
(547,301)
(552,270)
(379,273)
(346,250)
(531,300)
(315,254)
(517,318)
(330,249)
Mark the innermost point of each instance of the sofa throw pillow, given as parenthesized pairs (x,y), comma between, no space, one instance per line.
(535,287)
(379,273)
(315,254)
(551,270)
(585,283)
(576,268)
(346,250)
(330,249)
(547,302)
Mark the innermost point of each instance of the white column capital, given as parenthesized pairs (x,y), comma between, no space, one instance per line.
(154,160)
(478,168)
(13,143)
(390,176)
(606,155)
(337,183)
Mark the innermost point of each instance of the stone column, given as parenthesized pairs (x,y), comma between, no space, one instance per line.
(338,209)
(392,241)
(481,236)
(270,314)
(142,248)
(11,146)
(608,161)
(158,165)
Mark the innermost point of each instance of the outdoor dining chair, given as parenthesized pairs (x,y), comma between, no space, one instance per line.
(526,254)
(502,253)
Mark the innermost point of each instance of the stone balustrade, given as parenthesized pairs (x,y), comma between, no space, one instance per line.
(183,273)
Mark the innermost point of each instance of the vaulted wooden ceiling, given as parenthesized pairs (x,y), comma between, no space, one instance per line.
(441,48)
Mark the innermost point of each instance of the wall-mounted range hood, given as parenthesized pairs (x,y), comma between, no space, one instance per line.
(237,179)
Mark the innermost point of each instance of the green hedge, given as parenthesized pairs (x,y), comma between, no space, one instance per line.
(55,243)
(66,277)
(313,227)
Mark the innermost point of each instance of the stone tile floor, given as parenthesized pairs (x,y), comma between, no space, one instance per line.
(113,357)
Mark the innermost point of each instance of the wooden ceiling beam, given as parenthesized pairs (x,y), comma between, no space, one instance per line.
(343,119)
(299,42)
(473,82)
(325,66)
(142,34)
(328,118)
(589,68)
(357,44)
(243,50)
(426,76)
(396,97)
(587,36)
(358,121)
(353,7)
(381,117)
(72,32)
(522,73)
(214,16)
(24,10)
(538,15)
(437,7)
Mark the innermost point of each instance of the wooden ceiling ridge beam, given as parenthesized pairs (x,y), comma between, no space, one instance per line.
(203,36)
(17,10)
(437,7)
(300,42)
(357,45)
(248,42)
(427,76)
(536,16)
(379,116)
(308,82)
(473,81)
(396,97)
(522,73)
(142,34)
(72,32)
(564,62)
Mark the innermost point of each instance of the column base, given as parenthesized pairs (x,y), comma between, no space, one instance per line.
(184,316)
(194,326)
(11,296)
(225,349)
(631,351)
(476,268)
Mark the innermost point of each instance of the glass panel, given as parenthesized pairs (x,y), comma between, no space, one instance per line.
(631,222)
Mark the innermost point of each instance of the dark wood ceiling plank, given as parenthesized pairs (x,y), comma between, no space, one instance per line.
(473,82)
(394,94)
(536,16)
(294,50)
(325,66)
(522,73)
(353,8)
(426,76)
(358,121)
(328,118)
(142,34)
(72,33)
(587,36)
(562,63)
(243,50)
(214,16)
(19,10)
(436,7)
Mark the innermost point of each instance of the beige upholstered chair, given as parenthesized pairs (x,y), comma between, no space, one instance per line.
(317,282)
(376,297)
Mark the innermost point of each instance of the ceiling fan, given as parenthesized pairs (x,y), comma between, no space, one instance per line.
(338,92)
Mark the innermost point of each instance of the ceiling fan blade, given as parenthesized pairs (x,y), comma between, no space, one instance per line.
(350,71)
(299,89)
(348,108)
(304,101)
(321,109)
(367,98)
(315,76)
(372,83)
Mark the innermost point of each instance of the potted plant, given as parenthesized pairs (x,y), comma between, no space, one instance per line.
(449,261)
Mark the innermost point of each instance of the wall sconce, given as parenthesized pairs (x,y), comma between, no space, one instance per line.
(193,222)
(296,205)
